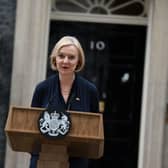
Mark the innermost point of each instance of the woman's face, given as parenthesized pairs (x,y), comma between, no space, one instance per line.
(67,60)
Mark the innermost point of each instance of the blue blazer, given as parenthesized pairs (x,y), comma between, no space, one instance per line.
(83,95)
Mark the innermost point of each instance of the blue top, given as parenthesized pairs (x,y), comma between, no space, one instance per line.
(83,95)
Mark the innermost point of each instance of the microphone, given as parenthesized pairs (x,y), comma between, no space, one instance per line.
(71,99)
(50,100)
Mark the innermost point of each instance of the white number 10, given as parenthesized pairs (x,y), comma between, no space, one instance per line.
(98,45)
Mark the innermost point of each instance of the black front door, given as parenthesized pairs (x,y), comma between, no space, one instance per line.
(114,62)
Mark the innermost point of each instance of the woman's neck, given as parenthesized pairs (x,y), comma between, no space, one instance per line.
(66,85)
(66,80)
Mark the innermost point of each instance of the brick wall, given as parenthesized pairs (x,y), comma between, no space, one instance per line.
(7,22)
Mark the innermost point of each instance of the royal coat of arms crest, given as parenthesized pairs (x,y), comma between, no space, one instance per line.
(54,124)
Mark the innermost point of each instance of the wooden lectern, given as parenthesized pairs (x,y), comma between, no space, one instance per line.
(85,139)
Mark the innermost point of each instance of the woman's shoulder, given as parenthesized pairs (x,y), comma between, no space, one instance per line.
(47,82)
(85,83)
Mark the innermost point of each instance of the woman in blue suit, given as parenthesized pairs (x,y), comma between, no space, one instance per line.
(66,89)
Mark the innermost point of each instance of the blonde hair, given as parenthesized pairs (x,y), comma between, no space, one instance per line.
(65,41)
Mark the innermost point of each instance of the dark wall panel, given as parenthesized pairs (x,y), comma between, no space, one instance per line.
(7,21)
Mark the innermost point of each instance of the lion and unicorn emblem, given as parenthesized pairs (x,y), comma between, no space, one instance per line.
(54,124)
